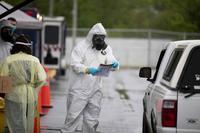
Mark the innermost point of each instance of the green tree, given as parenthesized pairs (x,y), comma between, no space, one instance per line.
(181,15)
(177,15)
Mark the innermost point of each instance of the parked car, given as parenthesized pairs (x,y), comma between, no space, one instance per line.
(172,99)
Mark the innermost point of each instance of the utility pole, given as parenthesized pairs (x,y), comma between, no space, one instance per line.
(51,7)
(74,23)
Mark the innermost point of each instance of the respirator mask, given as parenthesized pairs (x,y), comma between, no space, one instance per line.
(7,34)
(98,42)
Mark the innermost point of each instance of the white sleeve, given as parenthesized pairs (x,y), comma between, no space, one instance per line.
(77,60)
(110,57)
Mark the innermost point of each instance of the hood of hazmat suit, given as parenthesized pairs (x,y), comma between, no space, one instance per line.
(27,76)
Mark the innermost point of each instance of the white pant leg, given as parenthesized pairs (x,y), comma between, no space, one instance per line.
(75,106)
(15,116)
(91,113)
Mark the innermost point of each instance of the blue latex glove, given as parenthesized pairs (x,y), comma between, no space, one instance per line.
(115,64)
(93,70)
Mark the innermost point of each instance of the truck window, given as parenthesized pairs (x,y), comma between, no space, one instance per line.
(162,53)
(51,35)
(172,63)
(191,72)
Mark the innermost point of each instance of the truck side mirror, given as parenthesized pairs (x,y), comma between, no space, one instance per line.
(145,72)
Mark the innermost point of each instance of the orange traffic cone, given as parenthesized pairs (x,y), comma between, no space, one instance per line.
(37,119)
(37,125)
(39,107)
(46,94)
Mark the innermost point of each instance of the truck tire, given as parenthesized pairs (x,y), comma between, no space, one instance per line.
(145,128)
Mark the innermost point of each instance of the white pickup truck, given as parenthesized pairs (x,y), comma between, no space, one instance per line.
(172,99)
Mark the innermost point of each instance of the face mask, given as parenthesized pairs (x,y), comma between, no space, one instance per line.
(7,34)
(98,42)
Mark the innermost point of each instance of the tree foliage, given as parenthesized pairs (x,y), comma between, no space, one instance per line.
(182,15)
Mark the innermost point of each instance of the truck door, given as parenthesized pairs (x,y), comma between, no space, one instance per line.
(147,98)
(188,105)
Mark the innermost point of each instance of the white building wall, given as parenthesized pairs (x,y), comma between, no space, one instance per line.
(131,52)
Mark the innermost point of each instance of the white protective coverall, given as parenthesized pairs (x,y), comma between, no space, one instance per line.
(27,75)
(4,49)
(84,95)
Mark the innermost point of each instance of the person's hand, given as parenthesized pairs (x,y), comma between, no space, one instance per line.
(92,70)
(115,64)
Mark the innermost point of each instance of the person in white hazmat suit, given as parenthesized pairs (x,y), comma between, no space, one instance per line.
(6,38)
(27,76)
(84,95)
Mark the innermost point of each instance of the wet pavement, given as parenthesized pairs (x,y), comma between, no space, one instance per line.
(121,105)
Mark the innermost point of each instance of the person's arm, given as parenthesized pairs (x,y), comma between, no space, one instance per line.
(77,60)
(3,72)
(40,76)
(111,59)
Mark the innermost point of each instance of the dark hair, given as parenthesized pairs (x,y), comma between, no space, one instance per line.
(12,19)
(20,47)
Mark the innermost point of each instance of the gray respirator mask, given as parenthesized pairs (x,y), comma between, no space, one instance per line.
(7,34)
(98,42)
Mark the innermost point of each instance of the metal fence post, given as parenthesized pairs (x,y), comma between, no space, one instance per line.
(184,35)
(51,8)
(74,29)
(149,47)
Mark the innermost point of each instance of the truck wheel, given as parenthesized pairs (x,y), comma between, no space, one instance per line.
(145,128)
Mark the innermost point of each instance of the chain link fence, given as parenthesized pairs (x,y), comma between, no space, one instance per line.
(141,33)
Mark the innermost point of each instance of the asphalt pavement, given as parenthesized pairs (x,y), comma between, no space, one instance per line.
(121,110)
